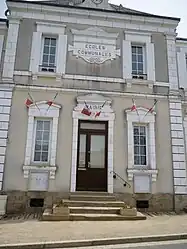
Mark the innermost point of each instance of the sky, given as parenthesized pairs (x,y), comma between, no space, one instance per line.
(175,8)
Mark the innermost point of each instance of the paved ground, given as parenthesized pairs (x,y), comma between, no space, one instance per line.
(157,245)
(27,229)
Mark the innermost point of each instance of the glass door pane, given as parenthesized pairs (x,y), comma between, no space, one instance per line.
(97,151)
(82,151)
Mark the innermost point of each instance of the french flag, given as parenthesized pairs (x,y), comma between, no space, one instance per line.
(133,108)
(28,102)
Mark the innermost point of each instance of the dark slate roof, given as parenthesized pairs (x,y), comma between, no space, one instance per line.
(181,39)
(3,20)
(116,8)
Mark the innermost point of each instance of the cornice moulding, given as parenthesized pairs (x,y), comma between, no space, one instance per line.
(47,10)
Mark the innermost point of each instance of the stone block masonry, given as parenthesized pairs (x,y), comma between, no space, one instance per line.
(5,107)
(178,148)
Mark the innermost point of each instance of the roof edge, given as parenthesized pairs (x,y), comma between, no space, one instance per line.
(181,39)
(3,20)
(102,10)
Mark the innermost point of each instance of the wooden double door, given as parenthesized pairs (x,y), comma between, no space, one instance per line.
(92,156)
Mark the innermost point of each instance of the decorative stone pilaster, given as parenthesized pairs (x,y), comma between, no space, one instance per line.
(178,148)
(10,52)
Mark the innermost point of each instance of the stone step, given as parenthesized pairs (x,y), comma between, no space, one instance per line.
(104,217)
(91,193)
(92,197)
(78,203)
(94,210)
(48,216)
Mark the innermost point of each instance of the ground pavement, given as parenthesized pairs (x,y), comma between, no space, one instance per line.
(182,244)
(27,229)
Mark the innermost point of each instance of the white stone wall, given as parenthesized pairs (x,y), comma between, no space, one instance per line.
(5,106)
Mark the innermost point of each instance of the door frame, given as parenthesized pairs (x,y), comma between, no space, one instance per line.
(107,114)
(89,132)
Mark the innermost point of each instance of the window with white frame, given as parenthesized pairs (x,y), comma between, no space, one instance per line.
(42,140)
(140,145)
(49,54)
(138,61)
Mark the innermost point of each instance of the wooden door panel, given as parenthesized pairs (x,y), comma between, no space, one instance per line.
(92,160)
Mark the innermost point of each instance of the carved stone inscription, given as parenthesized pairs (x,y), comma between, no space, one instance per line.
(96,49)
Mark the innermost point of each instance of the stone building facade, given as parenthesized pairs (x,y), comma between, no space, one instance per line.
(92,98)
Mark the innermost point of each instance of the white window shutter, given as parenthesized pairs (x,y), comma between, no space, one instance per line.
(35,52)
(1,45)
(150,61)
(127,60)
(61,54)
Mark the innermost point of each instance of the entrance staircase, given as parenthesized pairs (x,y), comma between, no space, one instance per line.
(91,206)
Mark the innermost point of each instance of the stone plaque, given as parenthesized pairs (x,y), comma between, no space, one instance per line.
(94,45)
(38,181)
(142,184)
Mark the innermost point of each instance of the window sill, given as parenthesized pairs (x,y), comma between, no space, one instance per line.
(142,171)
(46,74)
(148,83)
(45,168)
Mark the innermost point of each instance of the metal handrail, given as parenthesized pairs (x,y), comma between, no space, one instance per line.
(125,182)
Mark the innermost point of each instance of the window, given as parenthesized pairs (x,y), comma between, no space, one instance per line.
(42,140)
(49,54)
(138,62)
(140,145)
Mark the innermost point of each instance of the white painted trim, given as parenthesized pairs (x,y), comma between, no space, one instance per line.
(45,29)
(40,110)
(107,114)
(144,40)
(147,95)
(149,120)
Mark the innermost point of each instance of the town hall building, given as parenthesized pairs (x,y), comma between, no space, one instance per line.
(92,98)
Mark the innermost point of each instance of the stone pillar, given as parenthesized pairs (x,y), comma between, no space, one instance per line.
(177,130)
(10,53)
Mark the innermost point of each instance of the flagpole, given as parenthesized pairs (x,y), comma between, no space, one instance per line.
(34,101)
(150,109)
(134,105)
(52,102)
